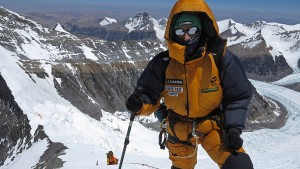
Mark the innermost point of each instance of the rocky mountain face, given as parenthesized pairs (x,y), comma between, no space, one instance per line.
(263,48)
(14,127)
(91,74)
(99,74)
(15,133)
(265,113)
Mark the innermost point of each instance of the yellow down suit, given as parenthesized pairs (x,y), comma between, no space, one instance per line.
(193,89)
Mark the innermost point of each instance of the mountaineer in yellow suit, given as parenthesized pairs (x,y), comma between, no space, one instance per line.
(204,87)
(111,159)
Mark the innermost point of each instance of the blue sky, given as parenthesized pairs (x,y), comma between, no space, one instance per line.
(240,10)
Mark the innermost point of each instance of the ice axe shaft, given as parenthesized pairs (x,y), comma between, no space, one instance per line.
(126,139)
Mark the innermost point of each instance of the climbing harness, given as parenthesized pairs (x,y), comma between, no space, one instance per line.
(196,146)
(174,118)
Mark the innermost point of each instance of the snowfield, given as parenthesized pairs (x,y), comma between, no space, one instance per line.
(88,139)
(277,148)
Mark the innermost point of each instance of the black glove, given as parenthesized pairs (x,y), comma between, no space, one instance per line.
(233,139)
(134,103)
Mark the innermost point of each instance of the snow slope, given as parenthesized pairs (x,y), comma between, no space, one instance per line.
(277,148)
(88,140)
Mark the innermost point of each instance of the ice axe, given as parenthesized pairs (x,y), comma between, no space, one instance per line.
(144,99)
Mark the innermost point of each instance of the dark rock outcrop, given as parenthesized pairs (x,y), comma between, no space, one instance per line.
(14,125)
(15,134)
(264,113)
(98,86)
(50,159)
(264,68)
(258,63)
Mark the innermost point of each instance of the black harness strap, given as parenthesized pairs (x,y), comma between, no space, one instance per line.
(175,140)
(174,118)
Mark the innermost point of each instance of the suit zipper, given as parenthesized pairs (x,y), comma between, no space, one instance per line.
(187,106)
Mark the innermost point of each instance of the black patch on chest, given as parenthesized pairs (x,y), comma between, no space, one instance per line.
(174,82)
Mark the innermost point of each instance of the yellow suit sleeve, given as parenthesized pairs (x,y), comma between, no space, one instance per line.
(147,109)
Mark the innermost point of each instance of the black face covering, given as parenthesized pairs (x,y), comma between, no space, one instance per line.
(191,45)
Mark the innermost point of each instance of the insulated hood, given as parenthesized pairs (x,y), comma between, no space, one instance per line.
(209,25)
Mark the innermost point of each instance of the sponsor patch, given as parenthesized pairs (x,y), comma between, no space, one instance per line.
(174,81)
(208,90)
(173,94)
(173,89)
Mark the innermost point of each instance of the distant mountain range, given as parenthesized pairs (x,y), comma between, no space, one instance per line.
(140,27)
(268,51)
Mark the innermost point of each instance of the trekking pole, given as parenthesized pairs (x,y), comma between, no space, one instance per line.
(126,139)
(144,99)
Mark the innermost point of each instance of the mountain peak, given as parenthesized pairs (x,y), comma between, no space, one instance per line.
(231,21)
(107,21)
(226,24)
(59,28)
(140,22)
(258,23)
(142,15)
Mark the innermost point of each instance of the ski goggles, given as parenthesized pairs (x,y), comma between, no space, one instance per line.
(191,31)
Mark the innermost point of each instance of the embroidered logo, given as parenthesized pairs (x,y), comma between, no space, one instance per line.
(208,90)
(213,80)
(179,24)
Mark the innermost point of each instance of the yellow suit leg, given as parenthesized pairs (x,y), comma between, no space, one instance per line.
(214,146)
(212,143)
(176,150)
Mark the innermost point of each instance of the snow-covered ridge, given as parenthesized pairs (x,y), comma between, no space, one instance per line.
(159,27)
(59,28)
(13,14)
(34,41)
(139,22)
(144,22)
(107,21)
(280,39)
